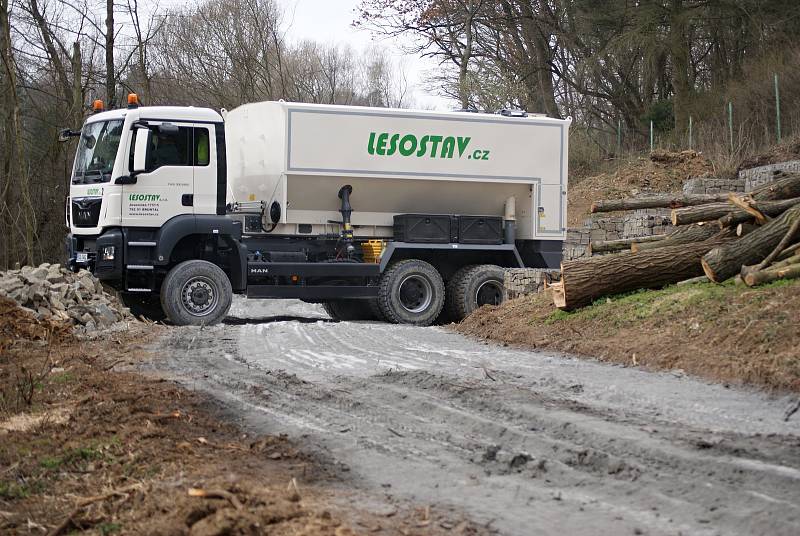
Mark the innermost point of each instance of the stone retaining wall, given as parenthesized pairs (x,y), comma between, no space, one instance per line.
(523,281)
(711,185)
(753,178)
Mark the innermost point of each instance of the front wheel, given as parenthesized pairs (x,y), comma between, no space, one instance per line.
(196,293)
(411,292)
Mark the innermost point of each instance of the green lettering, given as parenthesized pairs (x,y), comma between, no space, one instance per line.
(371,143)
(423,146)
(408,145)
(462,145)
(392,144)
(435,140)
(448,147)
(381,148)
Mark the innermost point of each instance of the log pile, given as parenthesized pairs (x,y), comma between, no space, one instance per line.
(754,237)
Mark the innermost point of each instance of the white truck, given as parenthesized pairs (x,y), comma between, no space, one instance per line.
(405,216)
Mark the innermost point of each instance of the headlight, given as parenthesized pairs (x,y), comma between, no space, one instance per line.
(107,253)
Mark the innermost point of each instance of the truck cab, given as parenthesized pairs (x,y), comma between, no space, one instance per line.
(177,216)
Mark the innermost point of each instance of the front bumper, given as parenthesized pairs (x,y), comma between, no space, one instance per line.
(83,252)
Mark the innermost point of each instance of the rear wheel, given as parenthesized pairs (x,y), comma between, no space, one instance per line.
(474,286)
(349,310)
(411,292)
(196,293)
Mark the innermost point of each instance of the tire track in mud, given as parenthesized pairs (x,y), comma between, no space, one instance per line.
(534,443)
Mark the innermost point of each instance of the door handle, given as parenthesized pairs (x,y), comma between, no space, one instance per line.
(187,200)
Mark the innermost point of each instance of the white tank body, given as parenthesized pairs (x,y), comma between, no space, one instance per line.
(398,161)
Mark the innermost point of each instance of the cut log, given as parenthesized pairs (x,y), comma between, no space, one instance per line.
(726,261)
(608,246)
(749,270)
(586,280)
(748,204)
(745,228)
(768,208)
(660,201)
(700,213)
(783,186)
(790,251)
(791,271)
(728,214)
(681,235)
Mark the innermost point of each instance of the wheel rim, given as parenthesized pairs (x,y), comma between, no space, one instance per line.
(415,293)
(199,296)
(489,293)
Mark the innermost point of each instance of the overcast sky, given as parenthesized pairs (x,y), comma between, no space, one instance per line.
(330,21)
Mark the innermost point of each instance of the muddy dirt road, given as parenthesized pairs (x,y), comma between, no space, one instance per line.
(520,442)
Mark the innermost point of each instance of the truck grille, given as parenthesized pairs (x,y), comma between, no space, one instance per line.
(86,211)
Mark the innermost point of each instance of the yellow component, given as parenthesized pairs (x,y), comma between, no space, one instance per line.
(251,197)
(373,249)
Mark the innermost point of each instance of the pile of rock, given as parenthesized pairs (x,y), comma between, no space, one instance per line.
(52,292)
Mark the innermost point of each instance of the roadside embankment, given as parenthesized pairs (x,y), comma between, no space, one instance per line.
(725,333)
(89,445)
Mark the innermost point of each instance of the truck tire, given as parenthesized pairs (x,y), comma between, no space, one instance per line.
(349,310)
(146,305)
(474,286)
(196,293)
(411,292)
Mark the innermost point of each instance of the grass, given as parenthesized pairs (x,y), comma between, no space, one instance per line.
(72,457)
(639,305)
(64,377)
(727,333)
(12,491)
(109,528)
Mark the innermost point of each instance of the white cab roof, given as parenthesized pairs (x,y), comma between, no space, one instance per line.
(174,113)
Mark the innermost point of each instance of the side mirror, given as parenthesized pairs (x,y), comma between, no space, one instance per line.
(140,147)
(65,134)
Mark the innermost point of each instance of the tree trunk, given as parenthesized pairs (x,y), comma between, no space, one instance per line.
(768,208)
(726,261)
(52,53)
(608,246)
(699,213)
(465,58)
(539,52)
(17,209)
(679,48)
(661,201)
(77,87)
(111,82)
(681,235)
(584,281)
(784,186)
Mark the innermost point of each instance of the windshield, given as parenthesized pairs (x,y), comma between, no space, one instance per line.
(97,151)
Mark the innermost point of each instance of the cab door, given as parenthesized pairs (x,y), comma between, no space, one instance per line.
(166,188)
(205,169)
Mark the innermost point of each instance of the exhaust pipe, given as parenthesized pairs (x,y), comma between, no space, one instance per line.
(510,221)
(347,228)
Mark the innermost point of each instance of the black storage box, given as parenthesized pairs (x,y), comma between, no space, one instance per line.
(425,228)
(480,229)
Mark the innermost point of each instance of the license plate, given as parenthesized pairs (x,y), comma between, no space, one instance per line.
(82,257)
